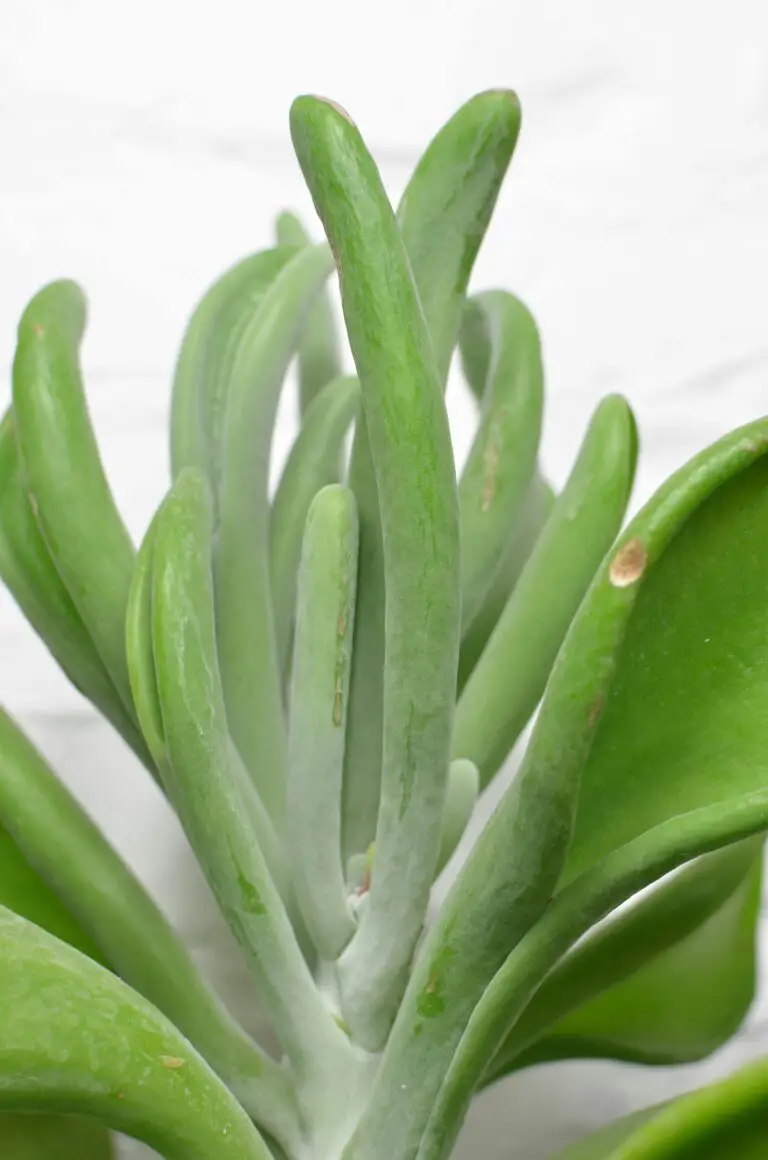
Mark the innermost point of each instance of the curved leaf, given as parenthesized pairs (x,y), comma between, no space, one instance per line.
(118,924)
(667,981)
(460,799)
(319,355)
(29,573)
(318,713)
(536,510)
(244,621)
(512,673)
(513,870)
(410,446)
(214,799)
(313,462)
(68,489)
(74,1037)
(498,472)
(725,1121)
(29,1136)
(443,216)
(204,361)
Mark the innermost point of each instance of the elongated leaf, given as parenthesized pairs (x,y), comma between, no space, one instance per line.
(725,1121)
(318,711)
(574,910)
(68,490)
(447,206)
(120,924)
(313,463)
(510,677)
(23,891)
(536,510)
(411,450)
(30,575)
(250,667)
(319,355)
(204,362)
(666,981)
(29,1136)
(502,459)
(442,217)
(213,798)
(74,1036)
(460,799)
(514,868)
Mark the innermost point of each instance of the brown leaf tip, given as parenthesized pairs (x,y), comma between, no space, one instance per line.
(337,108)
(628,564)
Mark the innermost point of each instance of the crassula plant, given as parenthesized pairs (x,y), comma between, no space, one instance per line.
(324,681)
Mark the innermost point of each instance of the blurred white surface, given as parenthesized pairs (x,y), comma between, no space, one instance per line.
(144,147)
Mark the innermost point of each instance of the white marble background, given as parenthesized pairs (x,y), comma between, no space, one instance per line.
(144,146)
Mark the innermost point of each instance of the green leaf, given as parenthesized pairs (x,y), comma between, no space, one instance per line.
(447,206)
(68,489)
(245,627)
(513,870)
(536,510)
(215,800)
(30,575)
(725,1121)
(203,366)
(502,459)
(318,713)
(27,1136)
(460,799)
(313,462)
(682,722)
(666,981)
(410,446)
(74,1037)
(511,675)
(319,355)
(113,919)
(443,216)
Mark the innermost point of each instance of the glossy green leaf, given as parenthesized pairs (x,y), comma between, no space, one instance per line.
(318,713)
(245,627)
(460,799)
(214,799)
(666,981)
(30,1136)
(570,915)
(319,354)
(511,675)
(725,1121)
(514,868)
(117,922)
(203,366)
(313,462)
(443,216)
(29,573)
(410,446)
(74,1037)
(523,537)
(682,723)
(68,489)
(497,475)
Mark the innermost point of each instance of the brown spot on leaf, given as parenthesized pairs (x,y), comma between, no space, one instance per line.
(628,564)
(341,624)
(491,464)
(338,108)
(38,329)
(172,1062)
(337,702)
(595,711)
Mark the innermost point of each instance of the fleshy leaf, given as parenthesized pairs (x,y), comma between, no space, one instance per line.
(29,1136)
(72,1035)
(319,355)
(410,446)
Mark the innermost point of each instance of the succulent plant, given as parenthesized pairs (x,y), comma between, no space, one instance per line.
(323,683)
